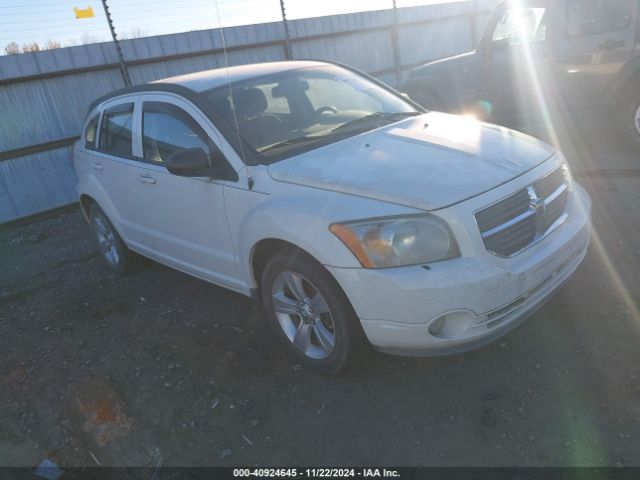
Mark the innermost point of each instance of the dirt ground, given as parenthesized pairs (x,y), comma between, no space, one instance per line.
(160,368)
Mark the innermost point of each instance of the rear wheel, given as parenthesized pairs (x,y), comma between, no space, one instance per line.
(308,312)
(113,250)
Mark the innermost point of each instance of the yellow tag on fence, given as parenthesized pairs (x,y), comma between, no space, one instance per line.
(83,12)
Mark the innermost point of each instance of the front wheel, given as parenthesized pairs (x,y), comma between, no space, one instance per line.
(308,312)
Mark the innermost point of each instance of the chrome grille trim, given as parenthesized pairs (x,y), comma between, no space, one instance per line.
(527,216)
(510,223)
(551,198)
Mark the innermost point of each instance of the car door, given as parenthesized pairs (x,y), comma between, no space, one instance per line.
(179,221)
(517,59)
(598,38)
(114,163)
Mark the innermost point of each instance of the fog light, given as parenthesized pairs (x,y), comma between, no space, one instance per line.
(451,325)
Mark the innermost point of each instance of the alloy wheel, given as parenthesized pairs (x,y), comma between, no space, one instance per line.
(303,315)
(107,243)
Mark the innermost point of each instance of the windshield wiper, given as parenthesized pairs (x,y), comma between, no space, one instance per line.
(345,129)
(293,141)
(375,117)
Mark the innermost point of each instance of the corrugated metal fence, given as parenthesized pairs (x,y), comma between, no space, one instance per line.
(44,95)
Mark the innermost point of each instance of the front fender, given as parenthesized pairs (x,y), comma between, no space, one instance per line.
(302,218)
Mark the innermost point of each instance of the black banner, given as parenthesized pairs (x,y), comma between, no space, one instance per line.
(403,473)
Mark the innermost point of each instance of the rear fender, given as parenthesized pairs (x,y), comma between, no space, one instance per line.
(89,185)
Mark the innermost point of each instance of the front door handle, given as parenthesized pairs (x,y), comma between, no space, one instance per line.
(611,44)
(146,178)
(98,166)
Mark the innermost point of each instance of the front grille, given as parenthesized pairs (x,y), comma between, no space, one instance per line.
(511,225)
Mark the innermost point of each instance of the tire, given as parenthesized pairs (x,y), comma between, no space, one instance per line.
(111,247)
(632,119)
(309,313)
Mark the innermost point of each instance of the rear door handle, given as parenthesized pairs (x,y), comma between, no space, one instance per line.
(146,178)
(98,166)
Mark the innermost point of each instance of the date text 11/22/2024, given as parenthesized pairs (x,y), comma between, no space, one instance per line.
(315,473)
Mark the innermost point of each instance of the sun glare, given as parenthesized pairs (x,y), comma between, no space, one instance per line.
(542,106)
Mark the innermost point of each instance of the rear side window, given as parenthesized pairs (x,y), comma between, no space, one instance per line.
(90,133)
(586,17)
(115,130)
(167,129)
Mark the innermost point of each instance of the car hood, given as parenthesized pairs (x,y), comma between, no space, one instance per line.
(428,162)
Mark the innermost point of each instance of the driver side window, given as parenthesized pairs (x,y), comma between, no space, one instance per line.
(167,129)
(521,25)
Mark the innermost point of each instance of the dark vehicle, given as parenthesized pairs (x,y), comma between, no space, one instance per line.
(543,56)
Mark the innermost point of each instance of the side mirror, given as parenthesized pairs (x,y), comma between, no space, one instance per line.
(194,162)
(188,163)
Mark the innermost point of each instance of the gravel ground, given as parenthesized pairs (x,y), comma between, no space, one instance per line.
(159,368)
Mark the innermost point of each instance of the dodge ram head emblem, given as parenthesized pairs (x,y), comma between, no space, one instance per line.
(538,205)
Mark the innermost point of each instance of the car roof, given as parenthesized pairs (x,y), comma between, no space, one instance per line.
(191,84)
(208,79)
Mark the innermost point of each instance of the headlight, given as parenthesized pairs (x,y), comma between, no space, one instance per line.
(394,242)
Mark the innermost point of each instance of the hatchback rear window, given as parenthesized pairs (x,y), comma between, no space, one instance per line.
(115,130)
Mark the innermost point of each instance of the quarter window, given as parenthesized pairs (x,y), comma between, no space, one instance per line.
(587,17)
(167,129)
(115,131)
(90,133)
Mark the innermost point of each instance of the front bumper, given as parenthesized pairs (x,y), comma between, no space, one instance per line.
(485,297)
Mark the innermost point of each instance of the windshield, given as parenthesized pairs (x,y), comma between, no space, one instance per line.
(290,112)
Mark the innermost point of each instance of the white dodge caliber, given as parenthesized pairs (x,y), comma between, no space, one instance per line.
(345,208)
